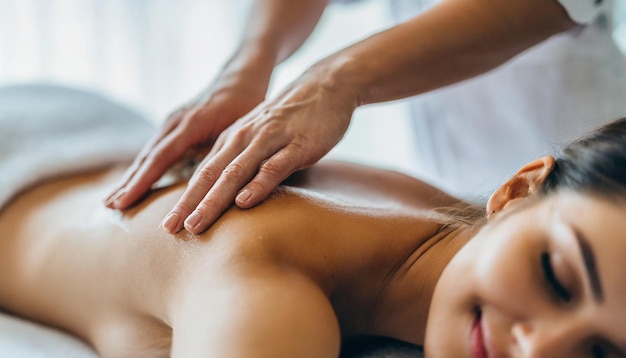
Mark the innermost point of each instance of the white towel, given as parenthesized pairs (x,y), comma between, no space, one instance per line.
(47,131)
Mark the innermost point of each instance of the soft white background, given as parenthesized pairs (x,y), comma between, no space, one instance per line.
(156,54)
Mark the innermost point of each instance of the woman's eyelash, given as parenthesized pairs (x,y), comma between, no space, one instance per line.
(597,351)
(553,281)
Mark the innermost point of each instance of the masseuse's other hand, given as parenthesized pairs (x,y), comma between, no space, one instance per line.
(199,122)
(260,150)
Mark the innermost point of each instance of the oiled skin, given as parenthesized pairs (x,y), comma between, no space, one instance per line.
(340,249)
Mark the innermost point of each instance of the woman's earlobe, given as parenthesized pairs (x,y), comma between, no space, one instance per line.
(524,183)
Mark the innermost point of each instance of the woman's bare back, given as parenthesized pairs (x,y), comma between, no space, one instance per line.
(336,231)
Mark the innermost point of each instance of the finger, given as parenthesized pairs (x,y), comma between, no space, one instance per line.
(132,170)
(271,173)
(199,185)
(223,193)
(216,191)
(170,124)
(217,147)
(156,162)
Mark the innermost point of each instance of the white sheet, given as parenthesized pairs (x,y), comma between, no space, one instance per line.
(24,339)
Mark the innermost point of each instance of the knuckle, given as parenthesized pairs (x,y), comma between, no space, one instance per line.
(183,207)
(271,130)
(206,176)
(298,143)
(303,154)
(271,168)
(208,205)
(240,136)
(233,171)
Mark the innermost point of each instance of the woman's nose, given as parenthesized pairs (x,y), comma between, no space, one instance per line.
(547,339)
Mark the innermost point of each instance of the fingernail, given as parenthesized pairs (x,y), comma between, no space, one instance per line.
(170,223)
(193,220)
(111,199)
(243,197)
(107,202)
(117,200)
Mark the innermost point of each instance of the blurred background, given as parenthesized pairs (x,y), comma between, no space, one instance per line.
(156,54)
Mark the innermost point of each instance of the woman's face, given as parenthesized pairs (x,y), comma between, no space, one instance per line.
(546,280)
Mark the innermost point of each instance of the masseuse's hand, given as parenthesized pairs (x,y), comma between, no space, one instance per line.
(197,123)
(260,150)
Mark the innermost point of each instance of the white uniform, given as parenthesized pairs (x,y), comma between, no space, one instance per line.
(473,135)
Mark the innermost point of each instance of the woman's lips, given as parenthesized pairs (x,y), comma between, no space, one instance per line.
(477,338)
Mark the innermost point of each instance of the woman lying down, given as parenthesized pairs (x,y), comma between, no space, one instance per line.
(339,250)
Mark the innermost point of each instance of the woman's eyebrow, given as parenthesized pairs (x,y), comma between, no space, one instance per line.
(590,264)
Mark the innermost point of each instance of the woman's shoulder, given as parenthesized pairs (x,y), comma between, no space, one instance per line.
(369,186)
(332,215)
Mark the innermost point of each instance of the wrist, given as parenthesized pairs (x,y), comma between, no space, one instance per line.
(250,66)
(340,75)
(252,57)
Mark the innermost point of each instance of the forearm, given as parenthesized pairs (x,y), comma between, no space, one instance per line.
(275,30)
(455,40)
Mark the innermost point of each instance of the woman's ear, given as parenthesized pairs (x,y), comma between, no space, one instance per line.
(525,182)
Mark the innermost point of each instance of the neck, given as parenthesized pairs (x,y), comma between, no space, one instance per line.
(402,307)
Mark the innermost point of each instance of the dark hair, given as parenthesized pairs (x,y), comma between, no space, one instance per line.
(594,164)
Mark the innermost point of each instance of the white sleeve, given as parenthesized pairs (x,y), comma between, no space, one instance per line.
(583,11)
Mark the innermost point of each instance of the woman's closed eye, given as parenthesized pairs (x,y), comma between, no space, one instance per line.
(597,351)
(556,288)
(555,284)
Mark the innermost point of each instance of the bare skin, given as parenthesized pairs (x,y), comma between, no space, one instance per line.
(340,250)
(347,250)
